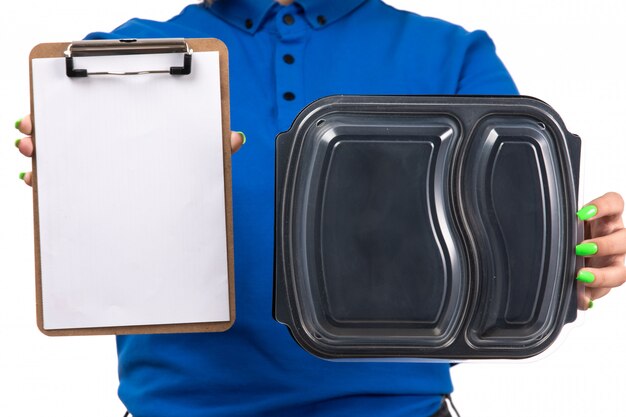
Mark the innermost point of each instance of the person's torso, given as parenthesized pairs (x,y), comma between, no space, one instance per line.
(277,68)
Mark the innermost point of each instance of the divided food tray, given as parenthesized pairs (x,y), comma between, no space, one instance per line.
(434,227)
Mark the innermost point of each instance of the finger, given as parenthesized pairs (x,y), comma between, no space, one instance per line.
(604,261)
(609,205)
(609,277)
(24,125)
(26,146)
(613,244)
(587,298)
(27,177)
(237,140)
(597,293)
(583,298)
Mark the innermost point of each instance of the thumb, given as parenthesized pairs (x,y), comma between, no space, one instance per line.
(237,140)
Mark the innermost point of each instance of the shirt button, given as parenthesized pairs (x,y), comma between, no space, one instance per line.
(288,58)
(248,23)
(289,96)
(321,20)
(288,19)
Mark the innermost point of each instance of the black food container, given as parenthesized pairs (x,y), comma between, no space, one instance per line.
(428,227)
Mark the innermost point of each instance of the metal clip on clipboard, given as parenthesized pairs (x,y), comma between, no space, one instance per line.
(127,47)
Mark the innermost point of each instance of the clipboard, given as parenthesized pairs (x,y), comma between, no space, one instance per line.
(133,228)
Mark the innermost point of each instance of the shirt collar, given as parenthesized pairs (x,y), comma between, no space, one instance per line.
(249,14)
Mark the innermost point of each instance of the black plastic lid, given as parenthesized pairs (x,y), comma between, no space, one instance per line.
(426,227)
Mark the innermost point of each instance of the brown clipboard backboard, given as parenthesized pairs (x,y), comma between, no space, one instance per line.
(58,50)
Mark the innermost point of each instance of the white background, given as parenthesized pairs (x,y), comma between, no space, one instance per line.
(570,53)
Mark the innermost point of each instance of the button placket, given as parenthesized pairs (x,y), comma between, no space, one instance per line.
(292,32)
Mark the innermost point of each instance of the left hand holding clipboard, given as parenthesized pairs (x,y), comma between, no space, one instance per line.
(27,148)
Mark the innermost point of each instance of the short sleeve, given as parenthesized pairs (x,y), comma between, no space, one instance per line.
(134,28)
(482,72)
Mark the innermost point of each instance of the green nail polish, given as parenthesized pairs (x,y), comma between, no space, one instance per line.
(243,135)
(586,249)
(18,123)
(22,175)
(587,212)
(17,143)
(590,304)
(585,276)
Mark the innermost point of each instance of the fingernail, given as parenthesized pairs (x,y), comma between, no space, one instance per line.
(243,135)
(585,276)
(586,249)
(590,304)
(22,175)
(587,212)
(18,123)
(17,143)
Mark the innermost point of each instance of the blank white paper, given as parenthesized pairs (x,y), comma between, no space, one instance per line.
(131,193)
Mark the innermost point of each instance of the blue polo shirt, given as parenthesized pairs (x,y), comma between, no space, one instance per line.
(281,59)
